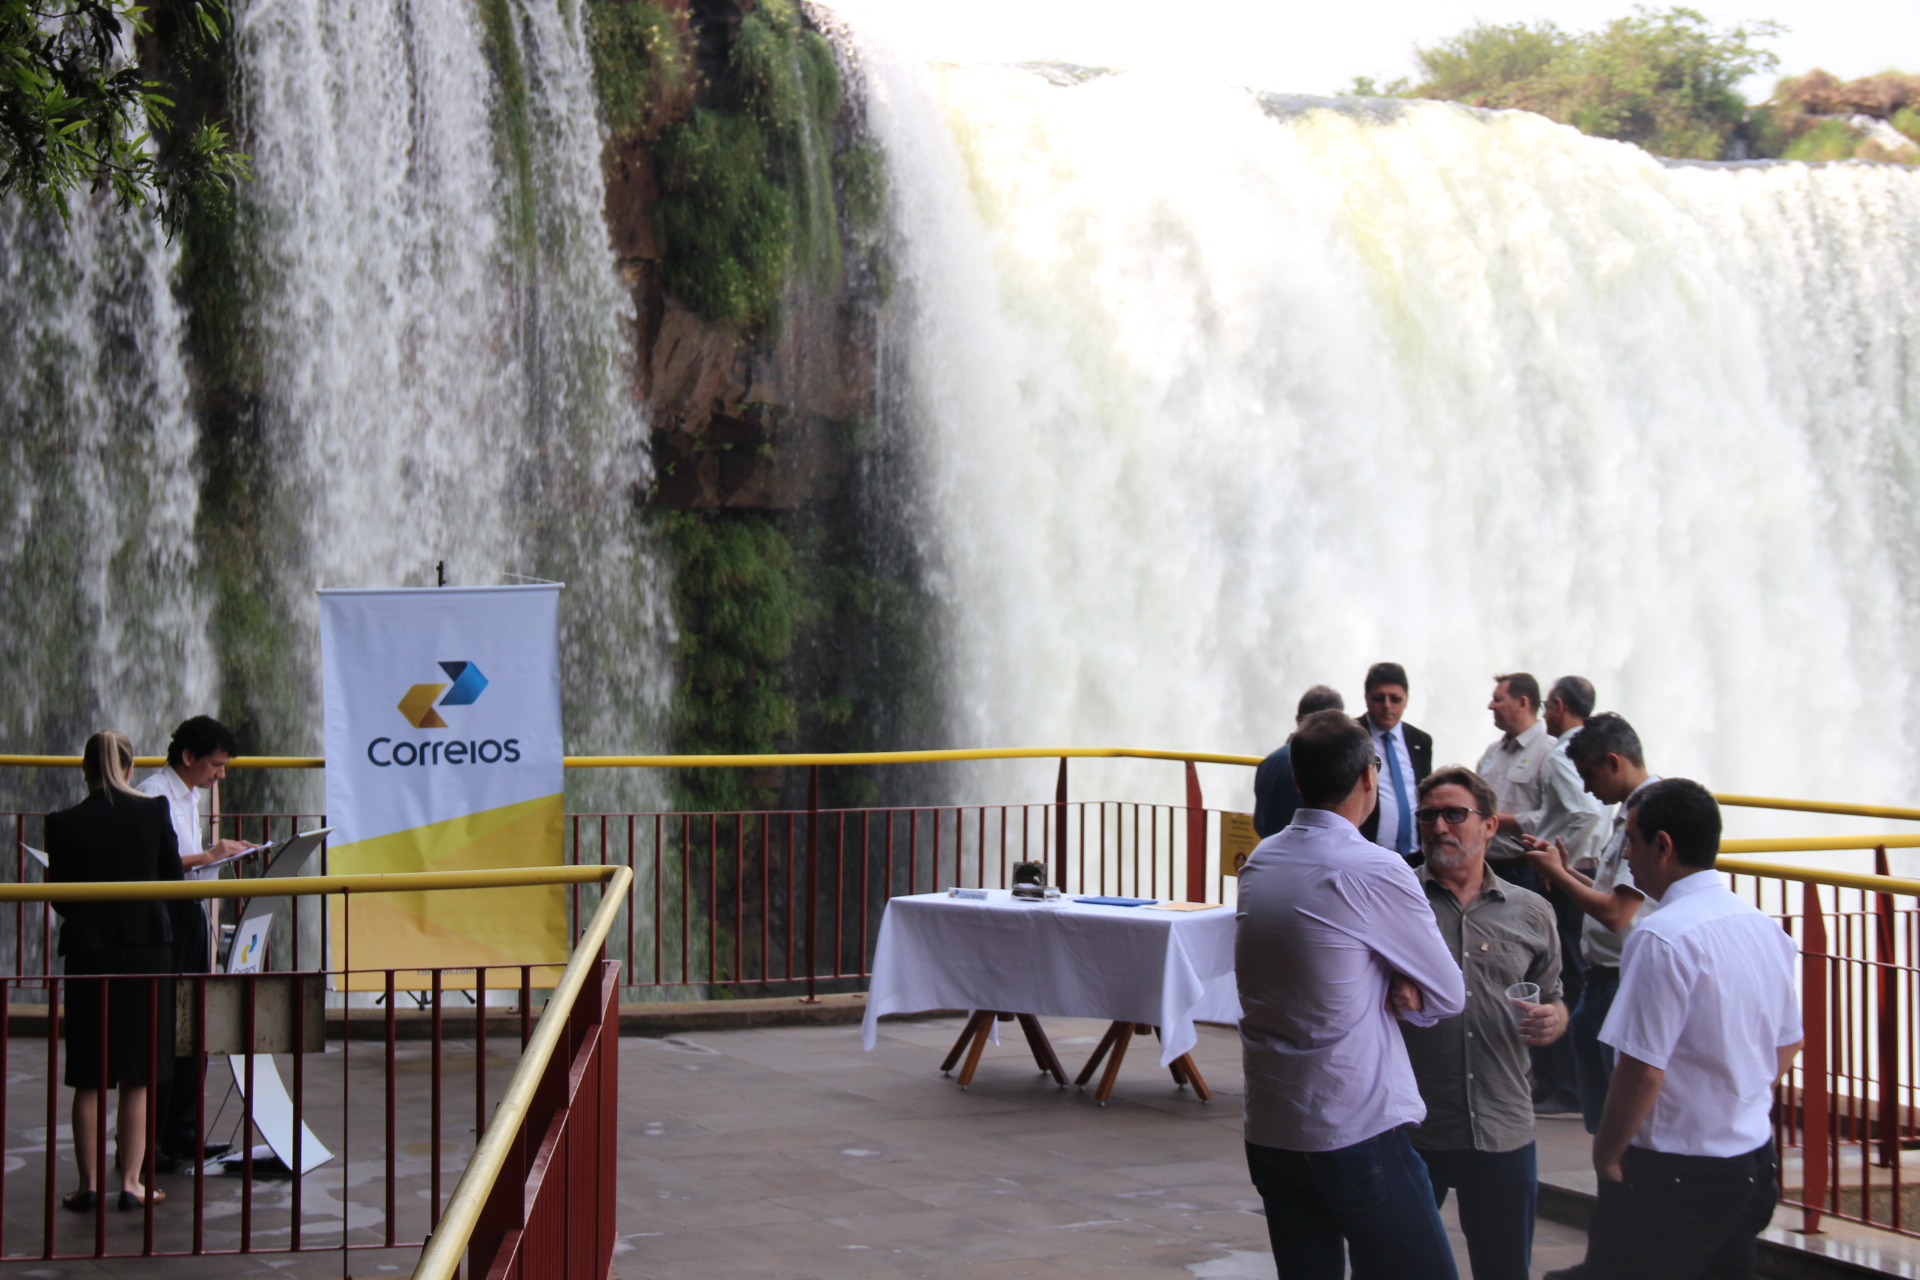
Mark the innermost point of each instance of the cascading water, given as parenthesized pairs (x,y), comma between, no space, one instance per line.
(103,624)
(446,334)
(1222,395)
(427,361)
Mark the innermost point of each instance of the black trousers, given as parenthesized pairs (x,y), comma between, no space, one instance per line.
(174,1119)
(1681,1217)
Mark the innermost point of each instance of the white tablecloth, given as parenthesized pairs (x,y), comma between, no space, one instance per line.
(1168,969)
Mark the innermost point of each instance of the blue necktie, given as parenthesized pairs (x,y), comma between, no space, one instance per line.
(1403,838)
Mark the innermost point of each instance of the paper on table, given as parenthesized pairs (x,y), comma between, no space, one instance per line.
(1186,906)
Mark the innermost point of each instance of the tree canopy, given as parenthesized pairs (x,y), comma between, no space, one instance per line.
(79,113)
(1667,80)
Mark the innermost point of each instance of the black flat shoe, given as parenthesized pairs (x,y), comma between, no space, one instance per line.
(78,1201)
(128,1200)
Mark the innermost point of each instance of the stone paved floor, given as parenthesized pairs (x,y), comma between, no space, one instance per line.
(789,1153)
(785,1153)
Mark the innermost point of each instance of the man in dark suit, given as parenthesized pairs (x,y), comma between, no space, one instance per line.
(1406,758)
(1275,797)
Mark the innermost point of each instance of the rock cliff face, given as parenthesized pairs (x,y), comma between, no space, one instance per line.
(743,204)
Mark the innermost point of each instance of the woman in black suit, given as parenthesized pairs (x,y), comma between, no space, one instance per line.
(114,834)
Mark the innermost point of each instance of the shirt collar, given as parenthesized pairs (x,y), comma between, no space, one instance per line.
(1686,886)
(1491,885)
(1378,732)
(1532,734)
(175,788)
(1304,816)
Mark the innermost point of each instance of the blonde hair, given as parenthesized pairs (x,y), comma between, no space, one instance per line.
(106,761)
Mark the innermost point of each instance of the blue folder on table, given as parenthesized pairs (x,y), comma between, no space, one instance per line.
(1119,902)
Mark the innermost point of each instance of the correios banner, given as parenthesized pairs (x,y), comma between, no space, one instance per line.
(444,753)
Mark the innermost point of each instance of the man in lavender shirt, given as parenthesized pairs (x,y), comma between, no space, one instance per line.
(1335,940)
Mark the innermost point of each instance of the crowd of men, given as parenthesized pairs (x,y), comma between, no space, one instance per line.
(1410,942)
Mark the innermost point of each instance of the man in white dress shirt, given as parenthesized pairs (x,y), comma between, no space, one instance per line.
(1613,768)
(1516,767)
(1569,814)
(196,759)
(1705,1023)
(1334,940)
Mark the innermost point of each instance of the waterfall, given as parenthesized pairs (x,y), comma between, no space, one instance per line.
(105,623)
(446,334)
(1222,394)
(428,359)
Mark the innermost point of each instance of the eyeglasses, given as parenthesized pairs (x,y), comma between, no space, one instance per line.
(1452,815)
(1378,763)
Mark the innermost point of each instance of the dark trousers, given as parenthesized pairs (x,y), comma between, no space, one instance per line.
(1372,1198)
(1593,1061)
(1498,1194)
(175,1119)
(1681,1217)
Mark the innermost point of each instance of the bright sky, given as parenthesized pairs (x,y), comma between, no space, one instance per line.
(1299,47)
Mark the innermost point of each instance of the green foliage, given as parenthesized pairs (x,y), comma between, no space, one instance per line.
(861,173)
(734,606)
(1487,60)
(1666,80)
(512,127)
(1907,121)
(75,114)
(726,222)
(747,194)
(637,59)
(1826,140)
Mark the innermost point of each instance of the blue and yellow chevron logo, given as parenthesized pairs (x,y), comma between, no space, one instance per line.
(465,690)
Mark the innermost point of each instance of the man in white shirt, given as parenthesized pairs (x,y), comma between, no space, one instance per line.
(1613,769)
(1515,765)
(1334,940)
(1705,1023)
(1569,814)
(196,759)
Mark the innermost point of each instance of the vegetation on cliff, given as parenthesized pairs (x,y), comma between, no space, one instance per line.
(1668,81)
(748,204)
(1665,80)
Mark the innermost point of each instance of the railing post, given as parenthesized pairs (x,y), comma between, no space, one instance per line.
(1814,963)
(1887,998)
(813,878)
(1196,838)
(1060,829)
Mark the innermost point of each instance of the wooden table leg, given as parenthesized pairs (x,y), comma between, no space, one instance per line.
(983,1029)
(966,1035)
(1042,1049)
(1093,1063)
(1120,1044)
(1184,1063)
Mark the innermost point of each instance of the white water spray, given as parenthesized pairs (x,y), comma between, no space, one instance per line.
(1223,396)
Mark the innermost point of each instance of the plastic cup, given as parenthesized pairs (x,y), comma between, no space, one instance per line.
(1521,997)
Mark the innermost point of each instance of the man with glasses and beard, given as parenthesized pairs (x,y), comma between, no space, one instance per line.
(1478,1137)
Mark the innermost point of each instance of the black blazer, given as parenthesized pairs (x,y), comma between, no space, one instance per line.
(100,839)
(1420,751)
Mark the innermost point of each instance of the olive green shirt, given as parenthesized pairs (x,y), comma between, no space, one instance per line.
(1472,1069)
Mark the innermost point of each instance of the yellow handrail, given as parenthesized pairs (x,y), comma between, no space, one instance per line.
(299,886)
(1817,844)
(723,762)
(1811,875)
(441,1258)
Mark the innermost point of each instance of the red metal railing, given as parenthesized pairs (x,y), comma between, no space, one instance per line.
(550,1215)
(1845,1116)
(390,1097)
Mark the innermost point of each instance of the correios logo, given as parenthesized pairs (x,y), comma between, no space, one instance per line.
(465,690)
(462,688)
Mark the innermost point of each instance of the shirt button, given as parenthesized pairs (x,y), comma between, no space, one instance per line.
(1469,1035)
